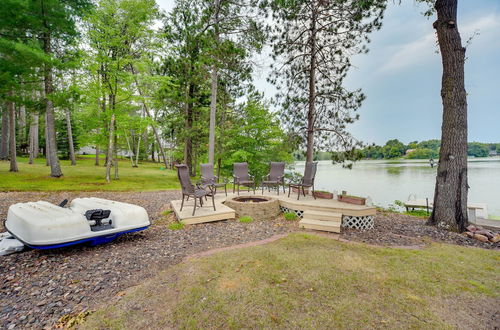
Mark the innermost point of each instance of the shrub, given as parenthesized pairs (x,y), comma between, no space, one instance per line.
(245,219)
(176,226)
(290,216)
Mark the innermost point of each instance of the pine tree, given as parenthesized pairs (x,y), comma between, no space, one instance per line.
(312,44)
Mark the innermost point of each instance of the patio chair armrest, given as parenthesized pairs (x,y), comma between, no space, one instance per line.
(203,179)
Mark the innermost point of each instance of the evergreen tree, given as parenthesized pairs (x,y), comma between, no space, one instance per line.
(312,44)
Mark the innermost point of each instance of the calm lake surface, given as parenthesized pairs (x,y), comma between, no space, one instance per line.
(388,180)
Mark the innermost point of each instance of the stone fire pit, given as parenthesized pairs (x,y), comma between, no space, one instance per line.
(257,207)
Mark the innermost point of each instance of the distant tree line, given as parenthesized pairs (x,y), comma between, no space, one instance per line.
(423,150)
(413,150)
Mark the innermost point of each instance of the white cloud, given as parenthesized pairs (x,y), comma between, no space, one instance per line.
(421,51)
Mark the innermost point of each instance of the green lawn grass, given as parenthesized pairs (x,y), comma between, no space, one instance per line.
(311,282)
(85,176)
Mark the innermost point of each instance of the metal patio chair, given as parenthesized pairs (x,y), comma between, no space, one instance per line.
(307,180)
(210,180)
(275,178)
(242,177)
(189,190)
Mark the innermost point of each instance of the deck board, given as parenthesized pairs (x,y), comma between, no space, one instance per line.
(207,214)
(203,214)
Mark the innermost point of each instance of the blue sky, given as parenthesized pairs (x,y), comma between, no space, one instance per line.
(401,75)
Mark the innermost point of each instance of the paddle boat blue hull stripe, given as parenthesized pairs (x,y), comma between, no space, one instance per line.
(92,240)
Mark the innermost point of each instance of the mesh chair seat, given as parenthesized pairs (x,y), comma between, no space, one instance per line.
(275,178)
(209,180)
(201,193)
(242,177)
(189,190)
(245,181)
(307,180)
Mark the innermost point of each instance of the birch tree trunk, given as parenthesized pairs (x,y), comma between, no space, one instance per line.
(12,136)
(311,113)
(115,154)
(450,194)
(96,155)
(55,168)
(188,145)
(70,139)
(47,159)
(109,158)
(4,142)
(213,92)
(22,126)
(138,151)
(146,110)
(33,138)
(130,153)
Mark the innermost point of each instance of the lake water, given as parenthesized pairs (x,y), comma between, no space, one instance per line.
(388,180)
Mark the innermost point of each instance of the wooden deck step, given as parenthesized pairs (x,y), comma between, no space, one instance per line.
(332,226)
(322,215)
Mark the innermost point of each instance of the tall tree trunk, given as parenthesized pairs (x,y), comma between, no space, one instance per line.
(47,159)
(153,151)
(213,94)
(96,155)
(4,143)
(130,152)
(146,110)
(146,143)
(12,135)
(70,139)
(450,194)
(115,156)
(22,127)
(109,158)
(213,110)
(188,146)
(33,137)
(137,151)
(221,138)
(311,113)
(55,168)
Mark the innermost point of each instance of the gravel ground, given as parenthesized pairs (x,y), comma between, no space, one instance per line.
(393,229)
(38,287)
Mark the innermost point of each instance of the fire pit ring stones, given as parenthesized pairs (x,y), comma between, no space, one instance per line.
(256,207)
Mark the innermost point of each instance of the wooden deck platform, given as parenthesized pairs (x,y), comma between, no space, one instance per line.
(203,214)
(308,203)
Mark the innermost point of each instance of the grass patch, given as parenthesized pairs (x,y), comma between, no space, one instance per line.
(417,213)
(85,176)
(245,219)
(167,212)
(306,281)
(290,216)
(176,225)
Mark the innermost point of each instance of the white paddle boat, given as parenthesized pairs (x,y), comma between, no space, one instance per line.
(43,225)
